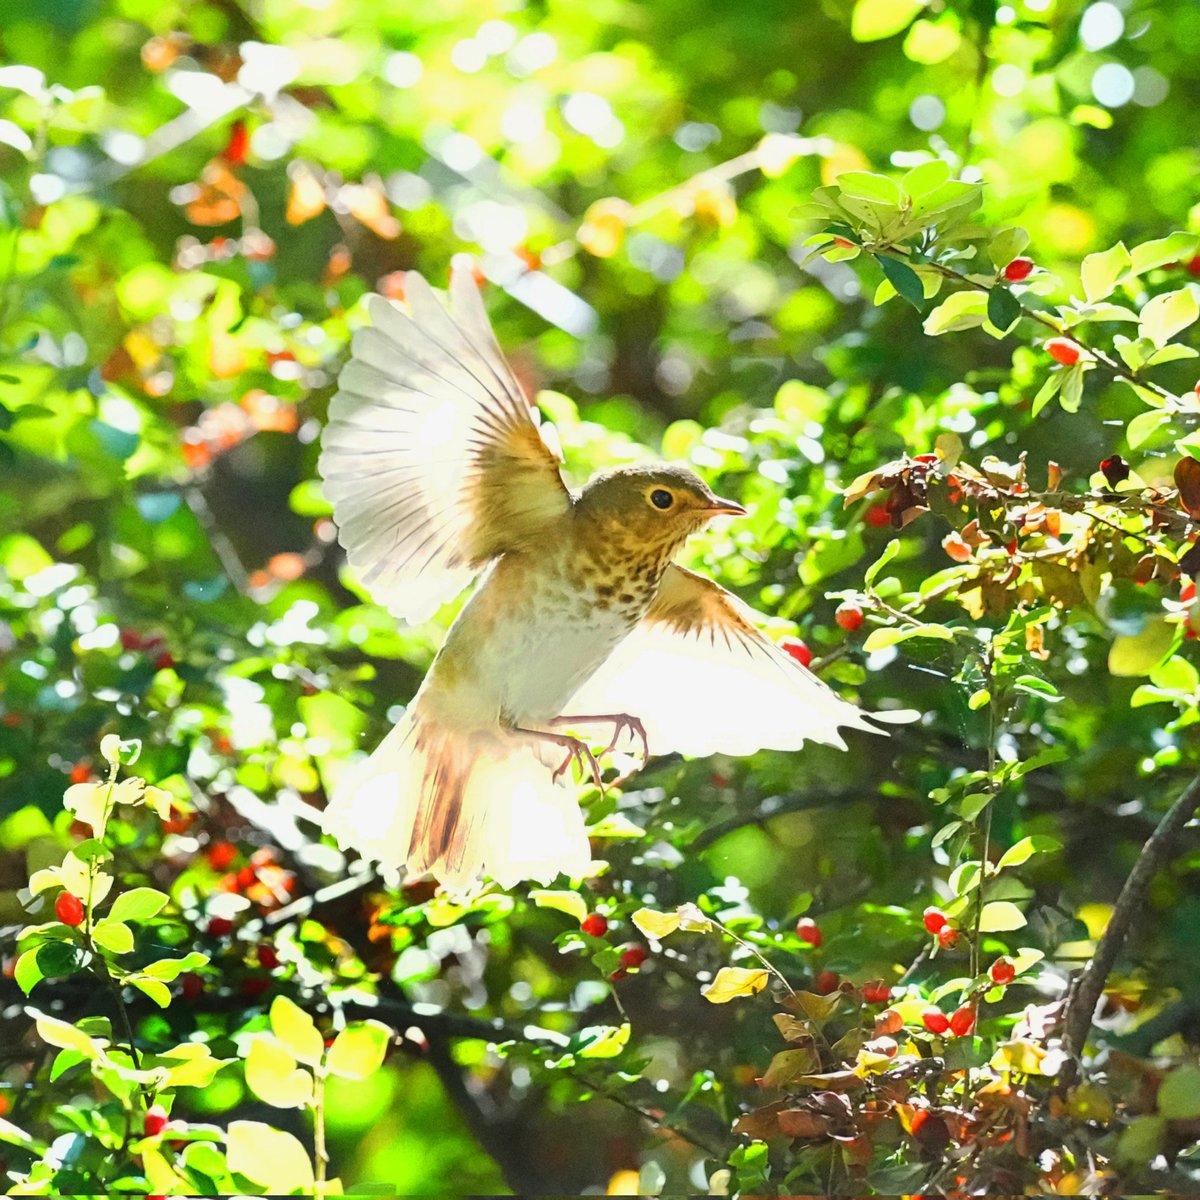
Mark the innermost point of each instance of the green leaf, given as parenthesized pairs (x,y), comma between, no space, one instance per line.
(272,1074)
(168,969)
(1139,653)
(960,310)
(923,179)
(113,935)
(904,279)
(889,552)
(1006,245)
(1176,674)
(1046,392)
(1072,388)
(358,1051)
(268,1156)
(1025,849)
(866,185)
(50,960)
(1144,426)
(1179,1094)
(876,19)
(139,904)
(154,988)
(1171,249)
(297,1031)
(1003,308)
(1168,314)
(999,916)
(1101,271)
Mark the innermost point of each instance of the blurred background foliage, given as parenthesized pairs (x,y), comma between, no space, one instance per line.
(193,201)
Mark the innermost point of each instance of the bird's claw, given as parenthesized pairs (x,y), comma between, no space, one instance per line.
(579,752)
(623,722)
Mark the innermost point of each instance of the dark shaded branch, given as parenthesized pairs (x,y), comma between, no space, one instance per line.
(1085,994)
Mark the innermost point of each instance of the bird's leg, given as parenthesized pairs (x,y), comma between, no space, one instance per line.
(577,751)
(620,722)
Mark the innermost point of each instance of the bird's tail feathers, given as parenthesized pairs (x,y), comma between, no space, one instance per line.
(460,806)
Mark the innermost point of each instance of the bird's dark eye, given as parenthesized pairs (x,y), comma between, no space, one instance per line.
(661,498)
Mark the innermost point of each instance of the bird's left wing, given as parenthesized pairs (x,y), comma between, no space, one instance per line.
(703,679)
(433,458)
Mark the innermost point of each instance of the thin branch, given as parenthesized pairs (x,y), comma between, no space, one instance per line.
(1085,994)
(768,810)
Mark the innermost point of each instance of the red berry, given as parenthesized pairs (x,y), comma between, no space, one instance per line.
(68,909)
(1188,592)
(220,927)
(1192,266)
(849,616)
(935,920)
(245,877)
(947,938)
(1003,971)
(267,958)
(156,1121)
(81,772)
(191,986)
(1063,350)
(935,1020)
(220,855)
(238,145)
(962,1021)
(876,992)
(165,661)
(634,956)
(877,515)
(826,982)
(255,985)
(1018,269)
(131,640)
(807,931)
(619,973)
(594,925)
(798,650)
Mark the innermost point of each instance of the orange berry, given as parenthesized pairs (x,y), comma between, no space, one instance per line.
(1063,350)
(220,855)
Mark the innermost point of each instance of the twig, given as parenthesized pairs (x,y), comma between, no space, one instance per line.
(1081,1003)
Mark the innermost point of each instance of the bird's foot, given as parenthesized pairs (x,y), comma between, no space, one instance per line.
(577,751)
(620,723)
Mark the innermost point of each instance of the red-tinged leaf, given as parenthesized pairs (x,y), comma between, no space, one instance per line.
(762,1124)
(217,198)
(306,199)
(800,1123)
(833,1081)
(1187,480)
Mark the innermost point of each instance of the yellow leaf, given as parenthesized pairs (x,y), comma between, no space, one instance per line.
(359,1049)
(655,924)
(268,1156)
(732,982)
(603,228)
(88,802)
(272,1074)
(306,198)
(196,1065)
(59,1033)
(571,903)
(160,801)
(296,1030)
(608,1040)
(1025,1058)
(999,915)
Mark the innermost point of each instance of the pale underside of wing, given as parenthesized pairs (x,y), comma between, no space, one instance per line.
(432,458)
(703,679)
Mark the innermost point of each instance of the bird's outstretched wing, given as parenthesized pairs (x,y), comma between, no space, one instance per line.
(703,679)
(432,458)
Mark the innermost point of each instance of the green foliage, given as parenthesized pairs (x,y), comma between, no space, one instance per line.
(690,225)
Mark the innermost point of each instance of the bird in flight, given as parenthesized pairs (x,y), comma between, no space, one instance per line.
(439,472)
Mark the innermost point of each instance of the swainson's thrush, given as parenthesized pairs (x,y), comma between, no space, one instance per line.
(437,470)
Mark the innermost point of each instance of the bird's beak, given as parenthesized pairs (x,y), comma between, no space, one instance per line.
(732,507)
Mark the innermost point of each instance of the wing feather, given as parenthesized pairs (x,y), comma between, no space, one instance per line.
(432,457)
(704,679)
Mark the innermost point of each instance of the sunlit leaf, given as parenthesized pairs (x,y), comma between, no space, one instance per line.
(358,1051)
(732,982)
(272,1074)
(297,1031)
(268,1156)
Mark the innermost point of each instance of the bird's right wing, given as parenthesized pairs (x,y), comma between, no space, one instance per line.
(432,458)
(703,679)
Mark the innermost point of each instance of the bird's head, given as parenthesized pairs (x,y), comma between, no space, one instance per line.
(659,504)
